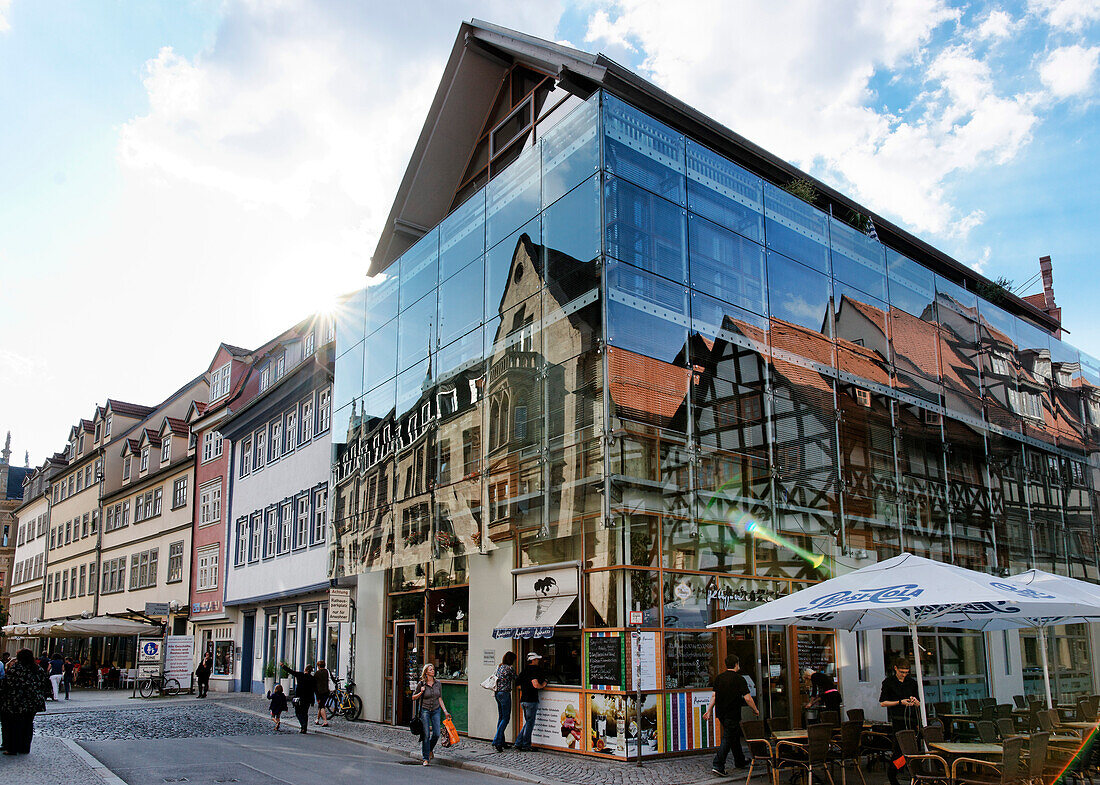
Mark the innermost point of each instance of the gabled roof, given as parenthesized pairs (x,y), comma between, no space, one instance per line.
(482,54)
(236,351)
(175,426)
(150,437)
(87,426)
(129,409)
(130,447)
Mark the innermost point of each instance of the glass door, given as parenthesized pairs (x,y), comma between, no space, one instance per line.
(406,670)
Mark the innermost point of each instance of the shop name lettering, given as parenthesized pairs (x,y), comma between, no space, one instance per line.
(726,597)
(205,607)
(888,595)
(1023,591)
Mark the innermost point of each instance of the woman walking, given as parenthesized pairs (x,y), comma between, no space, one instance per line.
(432,709)
(22,695)
(506,679)
(321,677)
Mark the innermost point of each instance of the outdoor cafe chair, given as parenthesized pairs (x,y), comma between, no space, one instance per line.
(925,768)
(856,715)
(1008,770)
(973,705)
(877,745)
(1020,701)
(779,723)
(1003,710)
(830,718)
(805,758)
(846,752)
(987,732)
(932,733)
(761,751)
(1006,727)
(988,712)
(1036,757)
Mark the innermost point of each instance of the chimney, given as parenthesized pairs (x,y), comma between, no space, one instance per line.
(1045,301)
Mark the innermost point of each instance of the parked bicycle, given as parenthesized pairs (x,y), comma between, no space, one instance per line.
(150,685)
(343,702)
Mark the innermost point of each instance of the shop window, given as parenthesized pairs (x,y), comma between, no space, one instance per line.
(223,658)
(691,659)
(561,656)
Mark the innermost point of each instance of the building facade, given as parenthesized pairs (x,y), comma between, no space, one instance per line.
(276,578)
(12,479)
(628,384)
(32,523)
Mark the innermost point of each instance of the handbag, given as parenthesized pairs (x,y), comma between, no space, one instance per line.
(416,725)
(490,683)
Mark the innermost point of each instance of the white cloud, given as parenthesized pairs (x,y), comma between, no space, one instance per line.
(1071,15)
(5,9)
(1068,70)
(601,28)
(997,26)
(799,79)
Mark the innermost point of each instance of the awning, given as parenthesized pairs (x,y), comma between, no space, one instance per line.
(84,628)
(533,618)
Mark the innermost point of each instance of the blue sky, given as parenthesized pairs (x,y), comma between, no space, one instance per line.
(177,174)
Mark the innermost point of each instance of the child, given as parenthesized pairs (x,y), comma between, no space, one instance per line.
(278,704)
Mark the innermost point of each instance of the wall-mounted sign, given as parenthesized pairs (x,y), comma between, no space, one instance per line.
(636,618)
(149,650)
(605,661)
(156,609)
(339,605)
(206,606)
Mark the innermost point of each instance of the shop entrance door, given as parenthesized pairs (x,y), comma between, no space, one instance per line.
(763,652)
(406,669)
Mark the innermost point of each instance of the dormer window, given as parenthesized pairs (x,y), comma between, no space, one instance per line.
(265,378)
(144,460)
(107,429)
(309,344)
(166,451)
(82,443)
(98,426)
(219,382)
(280,366)
(126,469)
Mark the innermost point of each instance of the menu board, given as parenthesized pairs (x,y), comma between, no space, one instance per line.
(814,651)
(689,659)
(647,673)
(605,661)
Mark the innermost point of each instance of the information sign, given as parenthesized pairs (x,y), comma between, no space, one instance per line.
(339,605)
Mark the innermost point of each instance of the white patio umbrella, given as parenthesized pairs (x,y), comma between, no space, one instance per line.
(1048,585)
(909,591)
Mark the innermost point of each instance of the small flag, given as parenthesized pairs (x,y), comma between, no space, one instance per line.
(871,230)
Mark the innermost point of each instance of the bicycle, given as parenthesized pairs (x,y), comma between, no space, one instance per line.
(343,702)
(152,684)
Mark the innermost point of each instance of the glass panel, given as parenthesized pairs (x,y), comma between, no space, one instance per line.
(951,296)
(513,269)
(350,320)
(726,265)
(420,268)
(416,326)
(724,192)
(799,301)
(514,196)
(912,286)
(348,376)
(571,229)
(645,230)
(795,228)
(863,346)
(461,307)
(570,150)
(690,659)
(646,314)
(650,474)
(381,355)
(460,355)
(462,235)
(643,150)
(857,259)
(381,302)
(726,330)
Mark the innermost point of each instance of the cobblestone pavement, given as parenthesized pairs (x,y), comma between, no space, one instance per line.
(176,720)
(50,762)
(545,767)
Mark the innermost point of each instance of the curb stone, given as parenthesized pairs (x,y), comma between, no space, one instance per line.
(92,762)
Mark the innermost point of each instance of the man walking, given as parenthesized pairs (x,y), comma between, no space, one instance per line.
(731,692)
(57,673)
(531,680)
(899,696)
(305,687)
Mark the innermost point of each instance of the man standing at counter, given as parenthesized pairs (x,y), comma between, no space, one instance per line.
(530,681)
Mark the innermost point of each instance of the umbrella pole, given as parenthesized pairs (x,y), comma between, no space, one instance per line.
(1046,664)
(920,676)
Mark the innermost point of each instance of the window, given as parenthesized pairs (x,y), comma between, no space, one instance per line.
(207,568)
(64,576)
(49,589)
(219,382)
(175,563)
(68,532)
(291,430)
(144,467)
(324,399)
(143,569)
(246,457)
(98,469)
(72,582)
(114,575)
(83,579)
(307,420)
(88,476)
(97,430)
(107,428)
(265,377)
(166,451)
(211,446)
(309,346)
(179,493)
(242,542)
(126,469)
(271,531)
(84,521)
(320,502)
(158,494)
(210,503)
(79,482)
(286,522)
(52,545)
(91,578)
(301,533)
(276,439)
(256,527)
(260,453)
(280,366)
(139,508)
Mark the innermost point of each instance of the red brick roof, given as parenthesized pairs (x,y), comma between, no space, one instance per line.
(129,409)
(179,427)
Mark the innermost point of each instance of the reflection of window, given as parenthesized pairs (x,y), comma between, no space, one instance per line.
(223,658)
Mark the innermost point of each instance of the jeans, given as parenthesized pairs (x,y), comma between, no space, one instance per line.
(301,711)
(523,738)
(204,685)
(504,713)
(731,741)
(67,683)
(431,720)
(18,731)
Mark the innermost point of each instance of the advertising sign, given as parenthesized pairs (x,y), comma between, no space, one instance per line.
(559,721)
(646,667)
(149,650)
(339,605)
(156,609)
(178,656)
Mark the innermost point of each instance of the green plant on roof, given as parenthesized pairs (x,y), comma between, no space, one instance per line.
(803,189)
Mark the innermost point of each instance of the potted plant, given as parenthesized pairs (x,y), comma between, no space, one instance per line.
(269,678)
(286,680)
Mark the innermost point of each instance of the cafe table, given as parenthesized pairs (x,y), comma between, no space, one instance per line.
(966,748)
(798,734)
(1065,741)
(1086,726)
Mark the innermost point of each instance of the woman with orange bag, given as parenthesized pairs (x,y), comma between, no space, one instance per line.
(432,709)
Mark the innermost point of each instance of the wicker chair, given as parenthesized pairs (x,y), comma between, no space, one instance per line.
(877,745)
(932,733)
(847,752)
(973,706)
(779,723)
(805,758)
(1003,710)
(856,715)
(987,732)
(1009,770)
(1020,701)
(923,767)
(761,752)
(1006,727)
(1036,757)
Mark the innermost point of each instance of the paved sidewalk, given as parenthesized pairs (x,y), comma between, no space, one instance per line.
(547,768)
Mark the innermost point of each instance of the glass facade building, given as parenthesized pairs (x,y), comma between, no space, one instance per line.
(627,356)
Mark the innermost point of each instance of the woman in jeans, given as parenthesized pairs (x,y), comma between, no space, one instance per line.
(432,709)
(506,677)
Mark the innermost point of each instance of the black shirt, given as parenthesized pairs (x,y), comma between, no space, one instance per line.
(304,687)
(730,689)
(527,693)
(824,689)
(894,690)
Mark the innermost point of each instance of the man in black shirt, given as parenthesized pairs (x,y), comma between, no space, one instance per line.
(731,692)
(899,695)
(530,681)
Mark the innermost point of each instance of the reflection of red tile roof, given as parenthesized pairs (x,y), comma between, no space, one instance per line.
(644,386)
(915,342)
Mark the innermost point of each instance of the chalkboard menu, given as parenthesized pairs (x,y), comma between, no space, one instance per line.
(605,662)
(814,650)
(690,659)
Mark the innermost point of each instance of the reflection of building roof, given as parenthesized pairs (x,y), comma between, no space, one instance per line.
(643,386)
(16,476)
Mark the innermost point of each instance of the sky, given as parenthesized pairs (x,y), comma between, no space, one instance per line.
(178,173)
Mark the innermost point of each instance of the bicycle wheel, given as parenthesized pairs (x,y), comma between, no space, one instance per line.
(146,688)
(354,708)
(332,705)
(172,687)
